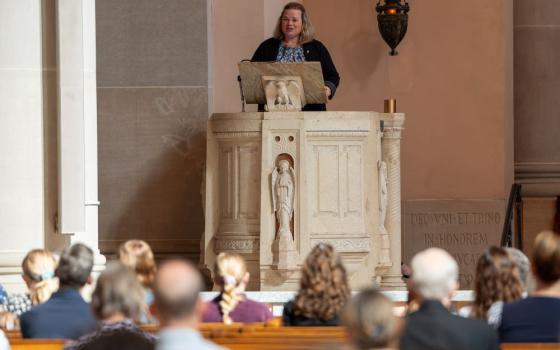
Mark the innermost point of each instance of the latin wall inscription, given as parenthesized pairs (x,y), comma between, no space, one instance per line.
(465,228)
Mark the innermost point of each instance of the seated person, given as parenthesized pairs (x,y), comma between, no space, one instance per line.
(524,267)
(38,274)
(434,280)
(536,319)
(65,315)
(139,258)
(323,290)
(230,274)
(4,345)
(370,322)
(497,281)
(116,301)
(176,289)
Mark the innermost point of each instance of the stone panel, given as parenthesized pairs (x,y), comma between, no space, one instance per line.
(465,228)
(538,215)
(536,12)
(151,157)
(151,43)
(537,85)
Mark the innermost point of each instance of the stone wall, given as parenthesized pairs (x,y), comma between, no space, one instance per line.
(152,65)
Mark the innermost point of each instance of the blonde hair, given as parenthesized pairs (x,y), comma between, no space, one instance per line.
(369,320)
(39,266)
(138,257)
(307,30)
(229,272)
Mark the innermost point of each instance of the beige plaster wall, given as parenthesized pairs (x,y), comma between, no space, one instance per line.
(238,27)
(453,79)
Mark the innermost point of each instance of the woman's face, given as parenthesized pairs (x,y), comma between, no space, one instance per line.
(291,24)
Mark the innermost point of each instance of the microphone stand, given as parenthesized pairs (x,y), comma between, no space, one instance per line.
(241,93)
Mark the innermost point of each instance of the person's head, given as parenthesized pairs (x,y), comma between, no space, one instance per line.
(119,339)
(496,279)
(546,258)
(38,268)
(230,273)
(176,289)
(294,23)
(370,321)
(434,274)
(523,265)
(324,285)
(74,266)
(117,294)
(138,257)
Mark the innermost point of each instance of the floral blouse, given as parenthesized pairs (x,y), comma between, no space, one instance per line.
(290,54)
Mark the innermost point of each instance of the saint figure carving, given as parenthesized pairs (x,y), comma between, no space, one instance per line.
(283,185)
(382,167)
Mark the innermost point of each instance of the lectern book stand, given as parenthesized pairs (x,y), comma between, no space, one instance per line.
(282,87)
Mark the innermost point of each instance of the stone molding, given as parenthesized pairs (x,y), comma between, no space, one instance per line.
(346,244)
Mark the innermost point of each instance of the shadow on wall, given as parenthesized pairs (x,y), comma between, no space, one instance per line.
(152,153)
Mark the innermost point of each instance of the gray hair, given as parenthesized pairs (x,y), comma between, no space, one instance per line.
(434,273)
(523,264)
(117,292)
(74,266)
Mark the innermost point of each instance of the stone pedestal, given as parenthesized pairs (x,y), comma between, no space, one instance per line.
(334,159)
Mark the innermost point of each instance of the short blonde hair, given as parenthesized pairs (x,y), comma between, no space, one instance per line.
(138,257)
(229,272)
(39,266)
(307,30)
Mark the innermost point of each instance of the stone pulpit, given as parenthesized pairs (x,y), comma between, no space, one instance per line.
(280,182)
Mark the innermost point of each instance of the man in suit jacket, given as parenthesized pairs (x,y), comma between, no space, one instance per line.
(434,279)
(65,315)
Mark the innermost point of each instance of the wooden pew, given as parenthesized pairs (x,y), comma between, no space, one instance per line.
(36,344)
(259,336)
(530,346)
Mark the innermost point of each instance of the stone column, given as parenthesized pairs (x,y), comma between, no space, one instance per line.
(391,155)
(78,194)
(21,137)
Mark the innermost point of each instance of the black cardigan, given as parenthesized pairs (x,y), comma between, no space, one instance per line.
(313,51)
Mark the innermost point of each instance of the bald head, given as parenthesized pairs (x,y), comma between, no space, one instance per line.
(176,288)
(434,273)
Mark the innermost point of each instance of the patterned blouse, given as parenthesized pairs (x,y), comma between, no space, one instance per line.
(17,304)
(290,54)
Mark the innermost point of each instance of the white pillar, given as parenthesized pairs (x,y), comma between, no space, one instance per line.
(78,195)
(391,153)
(21,136)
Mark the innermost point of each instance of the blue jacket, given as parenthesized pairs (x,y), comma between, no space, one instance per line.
(64,316)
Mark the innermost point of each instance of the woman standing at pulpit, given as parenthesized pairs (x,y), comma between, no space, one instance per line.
(293,41)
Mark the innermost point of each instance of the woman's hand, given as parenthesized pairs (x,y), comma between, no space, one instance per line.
(328,92)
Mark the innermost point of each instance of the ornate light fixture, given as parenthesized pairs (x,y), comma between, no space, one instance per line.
(392,16)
